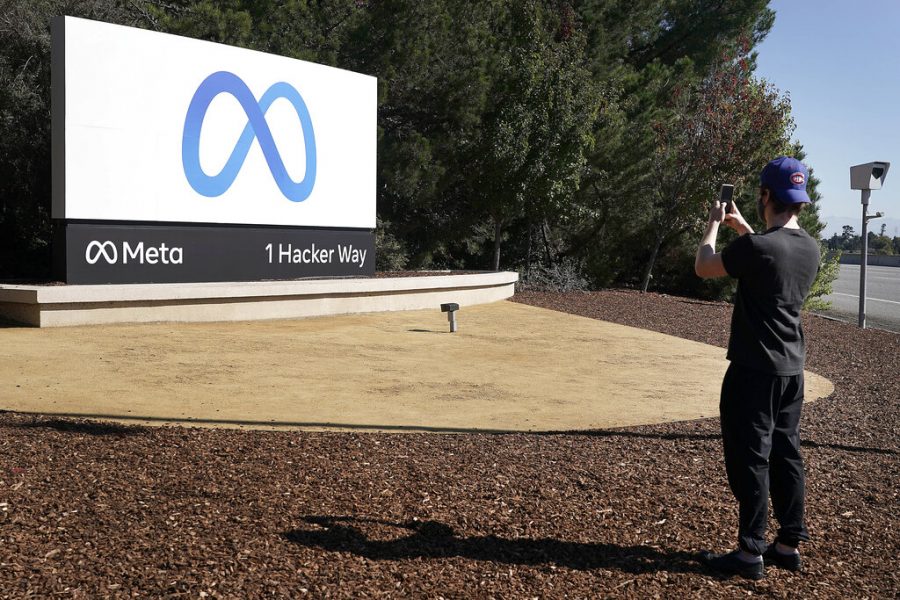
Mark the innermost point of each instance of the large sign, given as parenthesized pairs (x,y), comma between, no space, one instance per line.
(177,160)
(150,128)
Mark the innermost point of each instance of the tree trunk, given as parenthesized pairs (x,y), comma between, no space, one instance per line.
(548,254)
(648,273)
(498,232)
(528,253)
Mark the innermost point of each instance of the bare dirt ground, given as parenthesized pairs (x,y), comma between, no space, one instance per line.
(510,367)
(92,509)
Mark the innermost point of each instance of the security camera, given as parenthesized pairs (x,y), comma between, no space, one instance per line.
(868,176)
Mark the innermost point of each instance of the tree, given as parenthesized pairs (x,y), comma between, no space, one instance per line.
(847,234)
(25,224)
(880,243)
(829,263)
(717,131)
(529,155)
(849,241)
(641,51)
(488,114)
(433,63)
(822,286)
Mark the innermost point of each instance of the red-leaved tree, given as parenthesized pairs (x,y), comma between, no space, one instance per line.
(720,130)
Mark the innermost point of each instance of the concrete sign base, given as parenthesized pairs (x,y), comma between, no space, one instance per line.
(54,306)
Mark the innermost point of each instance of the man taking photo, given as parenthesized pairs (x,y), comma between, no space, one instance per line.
(762,392)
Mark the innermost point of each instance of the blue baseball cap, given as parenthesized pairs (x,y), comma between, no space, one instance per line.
(786,177)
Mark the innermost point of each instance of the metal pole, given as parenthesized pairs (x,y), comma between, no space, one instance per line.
(863,256)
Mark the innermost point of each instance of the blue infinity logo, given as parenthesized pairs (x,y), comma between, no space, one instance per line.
(229,83)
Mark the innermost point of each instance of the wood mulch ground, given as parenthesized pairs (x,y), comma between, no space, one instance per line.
(92,510)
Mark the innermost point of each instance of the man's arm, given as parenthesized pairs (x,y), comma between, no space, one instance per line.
(708,262)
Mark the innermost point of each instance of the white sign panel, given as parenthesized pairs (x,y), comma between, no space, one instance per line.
(156,127)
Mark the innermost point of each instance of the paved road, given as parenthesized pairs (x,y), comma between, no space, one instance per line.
(882,296)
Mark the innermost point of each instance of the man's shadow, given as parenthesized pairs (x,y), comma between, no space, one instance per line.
(431,539)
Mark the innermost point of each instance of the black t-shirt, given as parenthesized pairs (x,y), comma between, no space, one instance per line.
(774,270)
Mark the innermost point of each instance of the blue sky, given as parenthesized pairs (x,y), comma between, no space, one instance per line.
(839,61)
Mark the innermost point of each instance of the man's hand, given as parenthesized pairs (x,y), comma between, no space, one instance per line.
(736,220)
(717,212)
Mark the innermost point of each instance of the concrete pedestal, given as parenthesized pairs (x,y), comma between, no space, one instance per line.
(55,306)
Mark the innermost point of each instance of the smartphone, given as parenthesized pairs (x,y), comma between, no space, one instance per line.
(726,195)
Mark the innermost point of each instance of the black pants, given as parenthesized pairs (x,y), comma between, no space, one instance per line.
(760,416)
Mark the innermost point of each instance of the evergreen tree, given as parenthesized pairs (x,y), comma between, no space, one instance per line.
(25,223)
(560,126)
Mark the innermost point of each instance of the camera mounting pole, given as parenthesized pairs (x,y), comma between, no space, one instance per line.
(866,177)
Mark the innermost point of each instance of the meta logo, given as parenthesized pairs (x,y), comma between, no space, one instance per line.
(150,255)
(97,249)
(223,82)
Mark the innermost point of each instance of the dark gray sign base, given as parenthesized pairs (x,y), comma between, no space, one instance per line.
(89,253)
